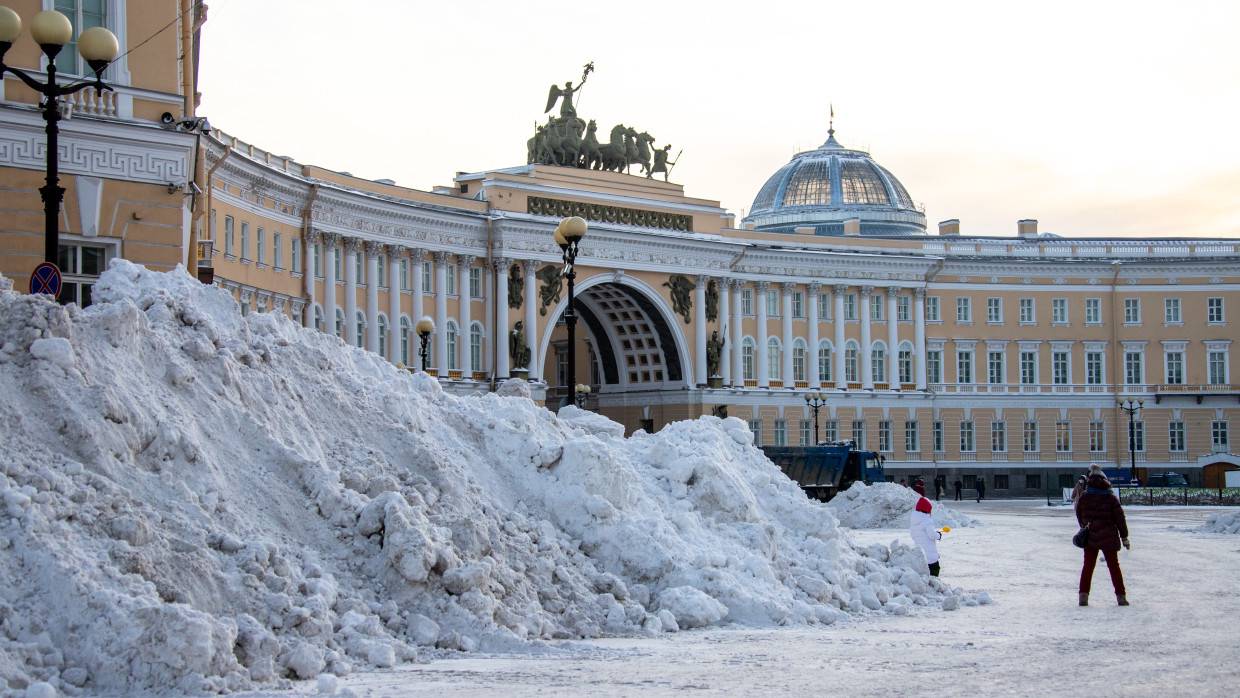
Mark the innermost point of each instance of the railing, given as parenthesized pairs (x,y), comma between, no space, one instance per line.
(912,455)
(1064,457)
(454,375)
(1178,457)
(1153,496)
(479,375)
(968,457)
(1032,456)
(89,101)
(999,457)
(774,383)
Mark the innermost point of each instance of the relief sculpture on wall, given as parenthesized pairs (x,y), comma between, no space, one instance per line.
(681,289)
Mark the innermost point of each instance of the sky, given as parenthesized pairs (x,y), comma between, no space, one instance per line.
(1097,118)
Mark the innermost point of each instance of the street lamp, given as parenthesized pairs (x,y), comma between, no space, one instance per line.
(582,392)
(424,328)
(815,400)
(1132,407)
(51,30)
(567,234)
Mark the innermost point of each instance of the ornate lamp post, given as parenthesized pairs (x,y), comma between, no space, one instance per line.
(424,328)
(582,392)
(1132,407)
(815,400)
(567,234)
(51,30)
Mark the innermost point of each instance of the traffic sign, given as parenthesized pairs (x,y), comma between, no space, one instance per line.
(46,279)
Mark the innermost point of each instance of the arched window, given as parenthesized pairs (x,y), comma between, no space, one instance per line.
(747,358)
(878,362)
(383,335)
(798,360)
(824,361)
(318,317)
(772,359)
(850,362)
(361,329)
(905,360)
(475,347)
(339,322)
(404,340)
(452,362)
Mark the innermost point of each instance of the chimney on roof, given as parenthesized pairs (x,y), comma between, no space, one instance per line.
(951,226)
(852,226)
(1027,228)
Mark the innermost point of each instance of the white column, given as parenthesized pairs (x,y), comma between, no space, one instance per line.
(395,254)
(307,275)
(738,335)
(762,369)
(329,282)
(350,290)
(416,260)
(789,381)
(488,320)
(815,380)
(893,339)
(919,327)
(463,339)
(841,381)
(500,333)
(699,331)
(441,313)
(867,366)
(373,250)
(725,308)
(531,317)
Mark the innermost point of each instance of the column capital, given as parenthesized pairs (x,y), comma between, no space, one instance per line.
(763,286)
(313,235)
(701,281)
(329,239)
(815,287)
(351,245)
(788,287)
(734,283)
(466,260)
(374,248)
(919,293)
(439,256)
(841,289)
(529,266)
(501,264)
(867,290)
(893,291)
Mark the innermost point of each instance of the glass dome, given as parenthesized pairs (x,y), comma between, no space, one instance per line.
(824,187)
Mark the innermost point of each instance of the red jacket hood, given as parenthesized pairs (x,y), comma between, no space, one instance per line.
(923,505)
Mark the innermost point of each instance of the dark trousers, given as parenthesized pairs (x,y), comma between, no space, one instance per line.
(957,494)
(1091,560)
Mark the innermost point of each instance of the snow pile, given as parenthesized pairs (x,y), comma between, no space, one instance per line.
(195,500)
(887,505)
(1225,522)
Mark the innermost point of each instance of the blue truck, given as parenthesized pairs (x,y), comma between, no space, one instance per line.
(824,470)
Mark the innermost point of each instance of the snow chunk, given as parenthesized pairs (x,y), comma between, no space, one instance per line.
(1227,522)
(888,505)
(55,350)
(691,608)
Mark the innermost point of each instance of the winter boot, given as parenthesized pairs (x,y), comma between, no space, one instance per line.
(1122,599)
(1084,598)
(934,569)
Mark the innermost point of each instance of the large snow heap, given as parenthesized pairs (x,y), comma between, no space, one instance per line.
(1222,522)
(197,500)
(888,505)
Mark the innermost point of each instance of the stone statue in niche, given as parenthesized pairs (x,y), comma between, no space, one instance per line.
(712,300)
(516,286)
(714,349)
(681,289)
(549,287)
(518,347)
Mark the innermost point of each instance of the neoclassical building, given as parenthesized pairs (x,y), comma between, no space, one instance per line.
(954,355)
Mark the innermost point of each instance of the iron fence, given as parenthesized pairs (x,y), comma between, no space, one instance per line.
(1200,496)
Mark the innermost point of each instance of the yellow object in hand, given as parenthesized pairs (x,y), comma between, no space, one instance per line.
(945,529)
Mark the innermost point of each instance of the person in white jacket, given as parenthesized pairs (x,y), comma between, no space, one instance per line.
(921,527)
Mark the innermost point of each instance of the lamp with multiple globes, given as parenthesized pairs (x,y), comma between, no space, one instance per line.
(1133,408)
(815,399)
(582,391)
(567,235)
(424,328)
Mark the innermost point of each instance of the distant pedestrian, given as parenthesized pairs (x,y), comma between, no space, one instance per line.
(959,487)
(903,482)
(1099,510)
(921,528)
(938,490)
(981,488)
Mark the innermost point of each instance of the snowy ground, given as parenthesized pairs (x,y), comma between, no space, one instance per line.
(1178,637)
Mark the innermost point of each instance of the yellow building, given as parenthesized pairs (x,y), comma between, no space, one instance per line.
(954,355)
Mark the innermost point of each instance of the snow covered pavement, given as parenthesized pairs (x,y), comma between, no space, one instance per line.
(1178,637)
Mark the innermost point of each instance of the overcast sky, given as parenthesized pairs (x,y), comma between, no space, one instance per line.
(1097,118)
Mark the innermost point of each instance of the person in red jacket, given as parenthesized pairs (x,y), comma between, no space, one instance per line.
(921,528)
(1100,510)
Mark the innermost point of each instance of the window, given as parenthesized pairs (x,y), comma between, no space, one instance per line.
(318,260)
(773,359)
(1026,311)
(339,322)
(1216,366)
(850,363)
(755,426)
(383,337)
(884,436)
(1059,311)
(83,15)
(824,362)
(858,433)
(1093,311)
(452,363)
(1094,374)
(1028,368)
(294,249)
(1030,437)
(806,427)
(1063,436)
(229,239)
(260,245)
(876,308)
(912,440)
(994,311)
(1097,437)
(934,366)
(475,348)
(932,309)
(798,305)
(1214,311)
(428,278)
(781,432)
(275,251)
(318,317)
(475,282)
(966,437)
(1218,436)
(850,306)
(964,366)
(338,261)
(1132,311)
(998,437)
(1138,436)
(404,341)
(451,279)
(964,310)
(245,240)
(1171,311)
(937,429)
(878,364)
(905,361)
(1061,368)
(1175,437)
(361,330)
(798,361)
(1133,372)
(404,275)
(824,307)
(1175,367)
(994,367)
(747,366)
(1001,481)
(1033,481)
(747,302)
(772,303)
(831,430)
(904,310)
(80,267)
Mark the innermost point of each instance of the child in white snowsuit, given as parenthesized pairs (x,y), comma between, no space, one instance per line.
(921,528)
